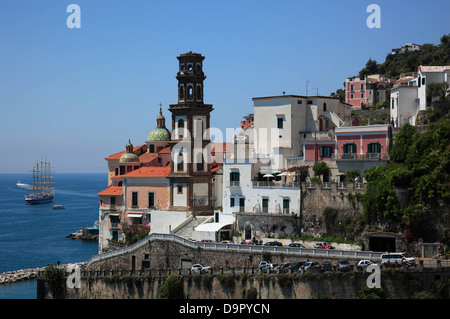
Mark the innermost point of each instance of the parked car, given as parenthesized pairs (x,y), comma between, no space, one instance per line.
(322,245)
(362,264)
(325,266)
(273,243)
(397,259)
(265,266)
(311,265)
(200,268)
(285,267)
(296,245)
(296,265)
(226,242)
(343,265)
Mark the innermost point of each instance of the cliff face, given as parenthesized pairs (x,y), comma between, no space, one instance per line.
(395,285)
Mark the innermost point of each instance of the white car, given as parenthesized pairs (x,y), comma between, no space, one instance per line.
(199,268)
(363,264)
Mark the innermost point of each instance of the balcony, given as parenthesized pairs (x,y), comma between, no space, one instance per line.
(234,184)
(275,184)
(356,156)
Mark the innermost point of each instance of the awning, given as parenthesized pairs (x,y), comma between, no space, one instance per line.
(139,215)
(213,227)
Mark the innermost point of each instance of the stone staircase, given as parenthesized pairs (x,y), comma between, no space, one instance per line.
(187,230)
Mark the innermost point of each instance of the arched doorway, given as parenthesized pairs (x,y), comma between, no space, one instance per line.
(249,231)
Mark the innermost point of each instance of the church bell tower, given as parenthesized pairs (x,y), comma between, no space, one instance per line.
(191,177)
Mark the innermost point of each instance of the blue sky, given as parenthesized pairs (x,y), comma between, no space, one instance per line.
(75,96)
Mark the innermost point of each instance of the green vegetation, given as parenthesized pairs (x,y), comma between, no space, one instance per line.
(321,169)
(55,280)
(395,64)
(172,288)
(420,163)
(134,233)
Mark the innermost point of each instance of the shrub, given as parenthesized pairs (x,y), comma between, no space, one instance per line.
(55,280)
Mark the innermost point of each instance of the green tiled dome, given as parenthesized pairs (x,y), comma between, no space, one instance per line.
(159,134)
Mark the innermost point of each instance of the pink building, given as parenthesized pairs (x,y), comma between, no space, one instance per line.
(362,142)
(353,148)
(356,92)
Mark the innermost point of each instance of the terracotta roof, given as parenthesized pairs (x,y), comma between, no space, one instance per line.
(149,172)
(148,157)
(118,155)
(111,190)
(165,150)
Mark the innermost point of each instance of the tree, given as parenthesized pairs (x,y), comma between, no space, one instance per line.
(172,288)
(370,68)
(55,280)
(437,90)
(320,169)
(403,141)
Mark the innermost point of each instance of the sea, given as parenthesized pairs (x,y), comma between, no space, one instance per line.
(34,236)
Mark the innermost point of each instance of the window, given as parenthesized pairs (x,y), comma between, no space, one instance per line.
(351,96)
(326,151)
(241,204)
(392,104)
(351,87)
(234,178)
(423,81)
(299,102)
(231,201)
(134,199)
(324,107)
(151,199)
(265,205)
(350,148)
(180,166)
(362,95)
(180,123)
(279,122)
(180,189)
(362,87)
(200,164)
(374,147)
(113,201)
(286,205)
(181,92)
(152,149)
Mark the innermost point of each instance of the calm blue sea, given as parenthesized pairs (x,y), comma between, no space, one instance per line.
(34,236)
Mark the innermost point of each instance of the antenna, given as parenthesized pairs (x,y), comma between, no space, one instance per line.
(307,81)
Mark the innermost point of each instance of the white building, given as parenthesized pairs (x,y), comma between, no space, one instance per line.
(409,95)
(253,177)
(428,75)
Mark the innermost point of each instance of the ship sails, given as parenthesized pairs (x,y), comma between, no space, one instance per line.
(43,192)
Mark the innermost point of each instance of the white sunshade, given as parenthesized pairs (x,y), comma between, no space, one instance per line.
(211,227)
(135,215)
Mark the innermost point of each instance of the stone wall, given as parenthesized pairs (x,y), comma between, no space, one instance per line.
(308,285)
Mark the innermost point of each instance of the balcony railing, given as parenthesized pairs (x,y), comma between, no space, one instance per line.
(275,184)
(356,156)
(234,184)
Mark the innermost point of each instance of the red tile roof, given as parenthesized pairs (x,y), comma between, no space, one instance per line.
(150,171)
(136,150)
(165,151)
(148,157)
(111,191)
